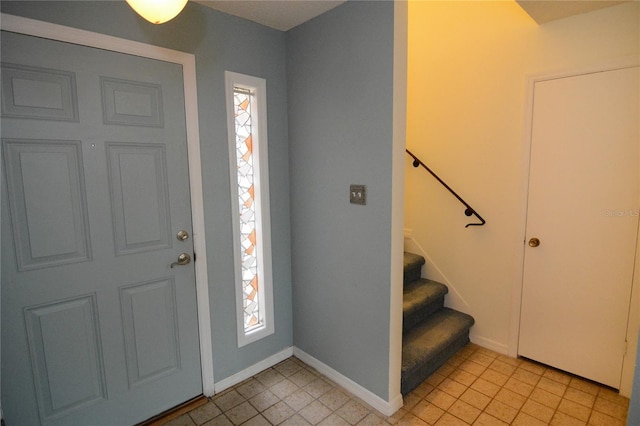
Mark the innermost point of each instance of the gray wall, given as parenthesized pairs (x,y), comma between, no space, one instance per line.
(340,87)
(220,42)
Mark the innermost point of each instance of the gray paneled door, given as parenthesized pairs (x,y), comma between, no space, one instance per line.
(97,328)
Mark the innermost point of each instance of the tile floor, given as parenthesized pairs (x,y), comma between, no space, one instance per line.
(476,387)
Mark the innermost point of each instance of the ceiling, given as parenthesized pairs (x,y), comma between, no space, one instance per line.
(543,11)
(286,14)
(279,14)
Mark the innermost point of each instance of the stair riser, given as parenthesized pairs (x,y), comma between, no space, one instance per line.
(413,379)
(409,320)
(431,332)
(412,274)
(412,267)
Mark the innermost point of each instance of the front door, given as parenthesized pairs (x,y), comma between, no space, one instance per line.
(582,223)
(98,326)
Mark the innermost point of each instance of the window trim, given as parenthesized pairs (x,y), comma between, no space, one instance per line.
(261,202)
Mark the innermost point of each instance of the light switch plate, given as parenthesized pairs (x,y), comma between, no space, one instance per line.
(358,194)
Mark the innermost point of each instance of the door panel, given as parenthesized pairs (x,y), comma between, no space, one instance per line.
(139,196)
(583,206)
(47,173)
(41,93)
(64,342)
(96,326)
(151,335)
(131,103)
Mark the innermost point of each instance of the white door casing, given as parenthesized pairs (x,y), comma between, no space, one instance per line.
(578,217)
(187,61)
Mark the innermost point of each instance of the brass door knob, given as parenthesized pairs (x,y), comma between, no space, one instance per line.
(182,235)
(534,242)
(183,259)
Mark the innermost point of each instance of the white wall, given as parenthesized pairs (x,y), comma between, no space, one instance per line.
(469,63)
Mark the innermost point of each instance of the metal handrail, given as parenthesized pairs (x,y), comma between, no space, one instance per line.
(468,211)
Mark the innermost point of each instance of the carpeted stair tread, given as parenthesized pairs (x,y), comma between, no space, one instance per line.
(428,338)
(428,345)
(420,299)
(411,260)
(412,266)
(431,332)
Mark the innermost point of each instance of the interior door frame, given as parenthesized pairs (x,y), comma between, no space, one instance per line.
(633,323)
(72,35)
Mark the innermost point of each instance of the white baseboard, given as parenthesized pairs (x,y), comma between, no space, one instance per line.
(386,408)
(394,405)
(501,348)
(408,233)
(454,299)
(253,370)
(431,271)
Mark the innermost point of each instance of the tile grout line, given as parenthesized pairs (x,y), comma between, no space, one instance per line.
(517,364)
(284,395)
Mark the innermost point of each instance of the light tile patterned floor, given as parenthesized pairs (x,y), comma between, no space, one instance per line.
(476,387)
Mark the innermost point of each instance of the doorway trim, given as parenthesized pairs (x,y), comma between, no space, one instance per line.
(633,322)
(72,35)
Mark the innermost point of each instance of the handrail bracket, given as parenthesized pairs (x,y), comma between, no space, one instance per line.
(469,211)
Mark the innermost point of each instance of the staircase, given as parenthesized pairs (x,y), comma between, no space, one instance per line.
(431,333)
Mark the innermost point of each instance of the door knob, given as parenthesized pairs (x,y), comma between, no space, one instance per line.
(183,259)
(182,235)
(534,242)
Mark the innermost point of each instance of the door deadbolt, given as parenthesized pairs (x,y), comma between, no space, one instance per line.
(534,242)
(182,235)
(183,259)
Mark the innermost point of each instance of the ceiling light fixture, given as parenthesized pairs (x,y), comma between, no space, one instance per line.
(157,11)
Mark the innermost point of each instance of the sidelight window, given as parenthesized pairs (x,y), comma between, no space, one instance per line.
(247,124)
